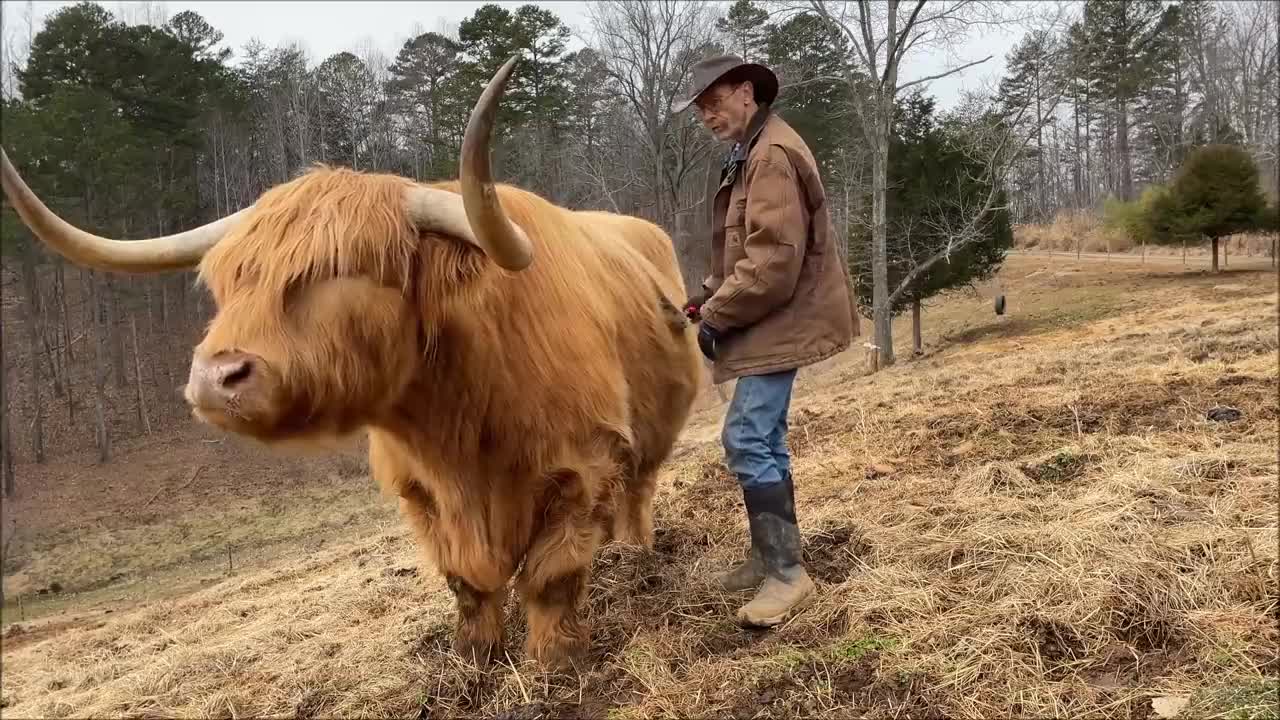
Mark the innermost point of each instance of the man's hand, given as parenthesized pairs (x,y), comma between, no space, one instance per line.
(693,306)
(708,336)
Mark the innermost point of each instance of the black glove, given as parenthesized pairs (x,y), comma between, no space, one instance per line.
(708,336)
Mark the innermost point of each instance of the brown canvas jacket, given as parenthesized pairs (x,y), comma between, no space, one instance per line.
(777,290)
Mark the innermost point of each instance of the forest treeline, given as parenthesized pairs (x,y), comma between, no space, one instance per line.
(133,127)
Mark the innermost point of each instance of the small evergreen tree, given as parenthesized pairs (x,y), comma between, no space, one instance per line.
(1214,194)
(934,185)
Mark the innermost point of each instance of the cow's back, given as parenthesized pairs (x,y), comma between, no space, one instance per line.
(663,364)
(651,241)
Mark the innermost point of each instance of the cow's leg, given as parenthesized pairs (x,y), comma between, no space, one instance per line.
(479,632)
(478,635)
(558,565)
(558,637)
(633,522)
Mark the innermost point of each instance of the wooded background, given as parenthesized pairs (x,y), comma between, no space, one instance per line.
(147,124)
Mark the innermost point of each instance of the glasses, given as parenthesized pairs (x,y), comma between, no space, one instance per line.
(705,105)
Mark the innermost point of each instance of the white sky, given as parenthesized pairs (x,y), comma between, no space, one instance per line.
(328,27)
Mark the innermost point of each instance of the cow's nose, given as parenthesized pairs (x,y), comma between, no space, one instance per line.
(221,377)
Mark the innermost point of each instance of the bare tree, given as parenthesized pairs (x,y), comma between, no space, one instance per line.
(1251,85)
(880,36)
(649,47)
(143,12)
(16,34)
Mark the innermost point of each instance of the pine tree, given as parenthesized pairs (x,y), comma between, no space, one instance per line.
(1162,142)
(934,184)
(1028,84)
(432,118)
(746,30)
(807,52)
(1124,35)
(1214,194)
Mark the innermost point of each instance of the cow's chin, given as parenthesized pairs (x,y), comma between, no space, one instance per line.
(263,428)
(278,433)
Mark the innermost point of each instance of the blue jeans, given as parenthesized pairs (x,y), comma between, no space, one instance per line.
(755,428)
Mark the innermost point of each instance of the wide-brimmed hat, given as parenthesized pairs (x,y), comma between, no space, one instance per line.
(707,72)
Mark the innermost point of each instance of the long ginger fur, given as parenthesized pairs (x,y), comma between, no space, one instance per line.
(520,417)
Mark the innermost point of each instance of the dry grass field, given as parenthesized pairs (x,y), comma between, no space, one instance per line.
(1083,231)
(1035,518)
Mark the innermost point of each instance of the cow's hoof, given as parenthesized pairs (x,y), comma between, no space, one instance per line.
(477,652)
(566,656)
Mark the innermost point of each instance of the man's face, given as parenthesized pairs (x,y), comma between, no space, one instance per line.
(725,109)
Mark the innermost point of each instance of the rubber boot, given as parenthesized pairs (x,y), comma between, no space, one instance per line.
(751,572)
(787,586)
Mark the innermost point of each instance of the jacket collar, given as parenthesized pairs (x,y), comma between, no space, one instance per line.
(754,127)
(738,154)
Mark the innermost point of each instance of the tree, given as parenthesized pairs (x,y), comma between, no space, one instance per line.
(880,36)
(432,118)
(346,98)
(936,187)
(746,30)
(1214,194)
(1126,43)
(808,54)
(649,48)
(1029,82)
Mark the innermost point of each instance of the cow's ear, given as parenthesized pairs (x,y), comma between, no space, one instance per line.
(446,275)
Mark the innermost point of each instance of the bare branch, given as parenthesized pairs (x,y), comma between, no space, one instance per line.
(943,74)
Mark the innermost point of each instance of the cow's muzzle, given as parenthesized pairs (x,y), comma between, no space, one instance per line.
(226,382)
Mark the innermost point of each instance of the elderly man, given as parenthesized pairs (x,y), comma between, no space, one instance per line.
(776,300)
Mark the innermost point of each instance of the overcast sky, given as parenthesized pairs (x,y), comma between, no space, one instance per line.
(328,27)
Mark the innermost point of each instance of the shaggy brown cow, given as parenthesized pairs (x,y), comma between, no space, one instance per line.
(521,369)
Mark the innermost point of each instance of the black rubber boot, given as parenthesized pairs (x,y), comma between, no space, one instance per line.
(751,572)
(786,586)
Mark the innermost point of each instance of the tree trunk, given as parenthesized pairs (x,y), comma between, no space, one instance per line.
(1077,186)
(97,302)
(137,374)
(32,322)
(68,356)
(1041,195)
(6,440)
(112,333)
(917,344)
(1215,254)
(879,220)
(1122,149)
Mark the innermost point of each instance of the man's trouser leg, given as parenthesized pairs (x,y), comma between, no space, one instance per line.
(754,439)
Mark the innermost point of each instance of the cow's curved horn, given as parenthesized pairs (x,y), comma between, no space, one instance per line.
(502,240)
(178,251)
(440,211)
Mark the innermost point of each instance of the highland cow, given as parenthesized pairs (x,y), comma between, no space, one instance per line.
(521,370)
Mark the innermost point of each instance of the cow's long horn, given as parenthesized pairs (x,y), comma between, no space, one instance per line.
(170,252)
(503,241)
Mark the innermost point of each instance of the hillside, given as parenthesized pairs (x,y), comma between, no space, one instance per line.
(1036,518)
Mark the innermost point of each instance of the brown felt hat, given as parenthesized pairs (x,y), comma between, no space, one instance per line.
(708,72)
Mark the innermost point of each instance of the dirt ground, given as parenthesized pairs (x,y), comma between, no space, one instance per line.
(1052,512)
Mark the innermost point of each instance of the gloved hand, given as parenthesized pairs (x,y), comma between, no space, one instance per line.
(693,306)
(708,336)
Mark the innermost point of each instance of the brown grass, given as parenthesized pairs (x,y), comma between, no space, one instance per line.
(1026,522)
(1083,230)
